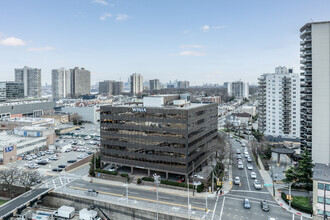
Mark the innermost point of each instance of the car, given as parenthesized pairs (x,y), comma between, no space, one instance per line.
(239,157)
(246,155)
(38,154)
(249,167)
(240,166)
(257,184)
(264,206)
(33,166)
(72,161)
(237,180)
(253,175)
(53,158)
(246,204)
(68,150)
(249,159)
(92,192)
(89,152)
(238,151)
(42,153)
(28,158)
(34,156)
(57,169)
(42,162)
(243,144)
(80,156)
(61,166)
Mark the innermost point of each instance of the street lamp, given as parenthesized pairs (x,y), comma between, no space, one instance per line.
(157,181)
(272,169)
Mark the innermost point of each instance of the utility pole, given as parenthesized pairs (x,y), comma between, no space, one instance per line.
(212,181)
(206,205)
(127,191)
(188,200)
(193,163)
(157,181)
(290,184)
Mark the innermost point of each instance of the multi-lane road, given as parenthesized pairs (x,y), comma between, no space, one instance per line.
(226,207)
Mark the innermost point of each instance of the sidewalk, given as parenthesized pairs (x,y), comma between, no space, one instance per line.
(268,180)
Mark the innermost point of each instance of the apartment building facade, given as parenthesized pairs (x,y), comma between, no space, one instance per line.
(315,93)
(31,79)
(238,89)
(136,81)
(279,104)
(11,90)
(154,84)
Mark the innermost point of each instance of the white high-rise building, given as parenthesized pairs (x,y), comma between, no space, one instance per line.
(315,93)
(279,104)
(238,89)
(136,81)
(31,77)
(61,82)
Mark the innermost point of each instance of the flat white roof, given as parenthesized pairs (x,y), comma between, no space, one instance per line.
(6,139)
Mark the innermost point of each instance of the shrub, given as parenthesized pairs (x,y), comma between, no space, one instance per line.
(107,172)
(167,182)
(200,188)
(125,175)
(139,181)
(91,172)
(299,202)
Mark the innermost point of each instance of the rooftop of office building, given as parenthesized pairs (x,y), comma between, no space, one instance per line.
(9,139)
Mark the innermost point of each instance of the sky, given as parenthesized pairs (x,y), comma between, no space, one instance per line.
(202,41)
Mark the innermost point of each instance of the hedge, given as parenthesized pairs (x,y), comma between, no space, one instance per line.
(296,205)
(168,182)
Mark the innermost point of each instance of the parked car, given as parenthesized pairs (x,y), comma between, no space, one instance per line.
(239,157)
(34,156)
(246,155)
(39,154)
(42,153)
(240,166)
(72,161)
(28,158)
(249,159)
(42,162)
(264,206)
(249,167)
(53,158)
(257,184)
(61,166)
(246,204)
(253,175)
(237,180)
(92,192)
(238,151)
(57,169)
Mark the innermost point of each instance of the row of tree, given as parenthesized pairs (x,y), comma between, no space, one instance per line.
(13,176)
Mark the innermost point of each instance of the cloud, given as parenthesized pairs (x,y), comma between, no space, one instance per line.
(121,17)
(193,46)
(102,2)
(206,28)
(12,41)
(40,49)
(105,16)
(191,53)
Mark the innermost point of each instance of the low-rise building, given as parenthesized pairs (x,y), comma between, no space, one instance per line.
(214,99)
(243,118)
(252,110)
(14,146)
(29,131)
(321,190)
(87,113)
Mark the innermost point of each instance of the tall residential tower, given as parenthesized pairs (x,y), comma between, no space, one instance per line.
(315,92)
(136,81)
(31,77)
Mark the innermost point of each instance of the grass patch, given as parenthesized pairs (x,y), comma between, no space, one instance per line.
(300,203)
(3,202)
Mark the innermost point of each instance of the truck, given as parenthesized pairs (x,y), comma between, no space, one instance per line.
(66,212)
(88,214)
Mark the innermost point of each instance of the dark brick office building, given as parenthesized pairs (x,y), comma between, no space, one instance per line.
(164,134)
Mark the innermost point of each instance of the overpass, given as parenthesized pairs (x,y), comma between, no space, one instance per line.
(16,205)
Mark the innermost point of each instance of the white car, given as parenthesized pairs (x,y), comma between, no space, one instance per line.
(257,184)
(237,180)
(249,166)
(253,175)
(240,166)
(53,158)
(246,155)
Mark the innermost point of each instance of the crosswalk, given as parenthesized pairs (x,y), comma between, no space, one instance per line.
(58,182)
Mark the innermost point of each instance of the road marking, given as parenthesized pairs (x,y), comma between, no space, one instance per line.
(237,190)
(223,204)
(215,207)
(135,193)
(253,201)
(133,197)
(247,179)
(230,196)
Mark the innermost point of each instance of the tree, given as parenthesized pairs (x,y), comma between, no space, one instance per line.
(29,178)
(8,177)
(76,119)
(228,125)
(303,173)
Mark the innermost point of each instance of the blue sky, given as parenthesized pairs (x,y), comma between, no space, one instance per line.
(200,41)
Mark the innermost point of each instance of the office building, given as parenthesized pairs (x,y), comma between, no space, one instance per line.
(279,104)
(238,89)
(110,87)
(183,84)
(11,90)
(61,83)
(163,134)
(80,82)
(214,99)
(31,78)
(136,81)
(315,92)
(154,84)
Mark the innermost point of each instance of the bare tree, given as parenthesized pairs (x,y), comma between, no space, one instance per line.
(29,178)
(228,125)
(8,177)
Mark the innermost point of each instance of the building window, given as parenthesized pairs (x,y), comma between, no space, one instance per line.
(320,185)
(320,199)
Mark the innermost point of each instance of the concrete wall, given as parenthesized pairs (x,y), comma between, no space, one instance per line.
(114,211)
(79,163)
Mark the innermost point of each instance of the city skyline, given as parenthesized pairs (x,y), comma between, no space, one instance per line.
(202,43)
